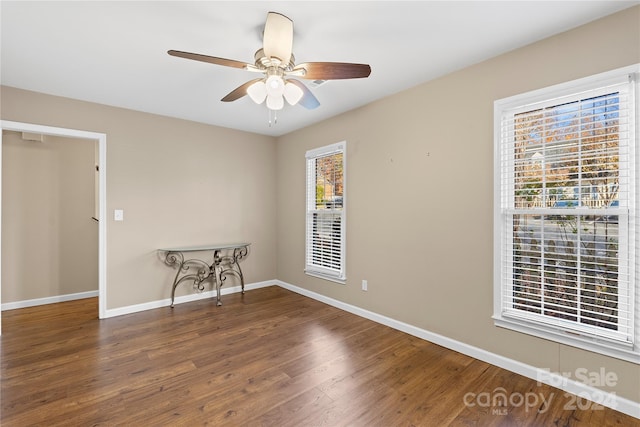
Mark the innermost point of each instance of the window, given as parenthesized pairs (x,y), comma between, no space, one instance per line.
(566,203)
(325,230)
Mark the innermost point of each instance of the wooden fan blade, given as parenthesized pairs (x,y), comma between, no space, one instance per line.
(239,92)
(277,41)
(308,100)
(210,59)
(333,70)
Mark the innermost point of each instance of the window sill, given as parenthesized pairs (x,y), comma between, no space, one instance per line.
(326,277)
(600,346)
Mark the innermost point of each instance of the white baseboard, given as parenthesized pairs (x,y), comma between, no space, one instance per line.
(185,298)
(47,300)
(577,388)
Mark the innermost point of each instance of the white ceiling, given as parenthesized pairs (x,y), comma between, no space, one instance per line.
(114,53)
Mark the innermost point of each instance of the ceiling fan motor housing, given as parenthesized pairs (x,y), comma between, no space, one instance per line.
(264,62)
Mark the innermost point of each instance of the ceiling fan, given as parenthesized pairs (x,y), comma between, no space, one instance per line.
(276,63)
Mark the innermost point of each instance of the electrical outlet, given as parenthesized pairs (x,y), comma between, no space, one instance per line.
(364,285)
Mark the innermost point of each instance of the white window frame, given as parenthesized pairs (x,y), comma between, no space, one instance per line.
(504,210)
(335,275)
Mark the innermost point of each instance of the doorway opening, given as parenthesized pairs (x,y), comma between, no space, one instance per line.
(91,137)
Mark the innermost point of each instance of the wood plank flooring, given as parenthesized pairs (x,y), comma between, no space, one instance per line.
(267,358)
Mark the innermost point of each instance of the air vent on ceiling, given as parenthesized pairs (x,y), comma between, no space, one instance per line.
(316,83)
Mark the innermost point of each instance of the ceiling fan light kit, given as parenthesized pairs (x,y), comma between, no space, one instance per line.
(276,61)
(292,93)
(257,92)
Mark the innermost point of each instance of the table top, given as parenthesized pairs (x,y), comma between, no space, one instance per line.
(213,247)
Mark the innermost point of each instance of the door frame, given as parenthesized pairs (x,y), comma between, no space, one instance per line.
(101,138)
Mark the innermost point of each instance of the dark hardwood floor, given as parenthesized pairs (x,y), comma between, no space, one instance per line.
(270,357)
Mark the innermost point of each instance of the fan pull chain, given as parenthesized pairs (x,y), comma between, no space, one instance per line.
(273,121)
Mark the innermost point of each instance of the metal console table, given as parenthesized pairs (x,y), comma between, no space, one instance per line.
(226,260)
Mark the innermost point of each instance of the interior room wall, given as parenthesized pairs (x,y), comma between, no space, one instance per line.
(49,239)
(420,196)
(178,182)
(420,193)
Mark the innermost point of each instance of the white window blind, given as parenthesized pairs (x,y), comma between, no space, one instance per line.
(566,215)
(325,223)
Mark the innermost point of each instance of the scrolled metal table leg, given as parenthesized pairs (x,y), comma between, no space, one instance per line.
(217,275)
(171,259)
(202,272)
(238,255)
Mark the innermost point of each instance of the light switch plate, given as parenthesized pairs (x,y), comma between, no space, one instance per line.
(118,215)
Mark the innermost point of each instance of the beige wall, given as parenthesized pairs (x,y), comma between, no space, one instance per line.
(49,240)
(179,183)
(420,196)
